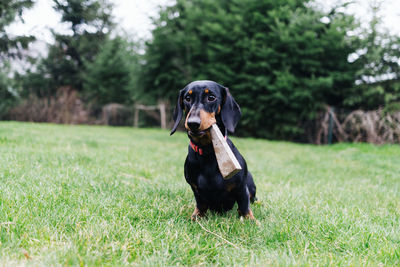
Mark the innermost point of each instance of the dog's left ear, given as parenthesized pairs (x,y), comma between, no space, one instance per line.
(230,110)
(178,111)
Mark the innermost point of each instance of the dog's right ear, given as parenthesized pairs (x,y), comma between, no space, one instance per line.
(230,112)
(178,111)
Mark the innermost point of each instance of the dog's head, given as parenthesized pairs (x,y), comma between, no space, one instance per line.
(206,103)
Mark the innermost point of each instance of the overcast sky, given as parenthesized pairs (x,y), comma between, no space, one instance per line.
(133,17)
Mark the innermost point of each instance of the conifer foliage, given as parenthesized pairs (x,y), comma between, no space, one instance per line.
(282,60)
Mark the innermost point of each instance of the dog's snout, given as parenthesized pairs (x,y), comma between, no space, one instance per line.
(194,123)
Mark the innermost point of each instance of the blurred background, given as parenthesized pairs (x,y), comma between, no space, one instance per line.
(305,71)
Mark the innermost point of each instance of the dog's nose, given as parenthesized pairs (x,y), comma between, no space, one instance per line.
(194,123)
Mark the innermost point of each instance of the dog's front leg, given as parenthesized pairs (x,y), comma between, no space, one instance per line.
(200,209)
(244,204)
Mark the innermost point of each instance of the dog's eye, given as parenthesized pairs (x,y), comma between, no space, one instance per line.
(211,98)
(187,98)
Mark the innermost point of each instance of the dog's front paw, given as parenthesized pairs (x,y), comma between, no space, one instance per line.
(197,214)
(249,216)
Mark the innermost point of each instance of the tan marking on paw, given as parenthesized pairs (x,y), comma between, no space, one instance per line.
(250,215)
(197,214)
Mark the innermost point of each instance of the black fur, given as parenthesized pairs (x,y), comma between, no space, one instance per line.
(211,191)
(178,111)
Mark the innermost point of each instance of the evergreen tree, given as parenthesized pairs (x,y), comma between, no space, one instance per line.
(9,11)
(8,94)
(378,57)
(10,47)
(90,23)
(109,77)
(281,60)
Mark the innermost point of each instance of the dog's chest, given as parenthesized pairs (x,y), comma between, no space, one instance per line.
(210,182)
(205,178)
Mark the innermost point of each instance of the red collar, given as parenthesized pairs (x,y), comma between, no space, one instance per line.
(196,148)
(202,150)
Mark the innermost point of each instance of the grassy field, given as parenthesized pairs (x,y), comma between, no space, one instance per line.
(81,195)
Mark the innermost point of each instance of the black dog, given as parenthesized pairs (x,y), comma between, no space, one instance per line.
(206,103)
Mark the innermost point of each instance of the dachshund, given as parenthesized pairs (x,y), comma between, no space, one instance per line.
(204,104)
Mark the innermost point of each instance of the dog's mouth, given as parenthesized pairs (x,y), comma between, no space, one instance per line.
(198,133)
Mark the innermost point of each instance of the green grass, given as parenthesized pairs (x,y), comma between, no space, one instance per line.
(89,195)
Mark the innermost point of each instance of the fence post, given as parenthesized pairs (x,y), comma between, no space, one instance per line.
(136,119)
(163,118)
(331,110)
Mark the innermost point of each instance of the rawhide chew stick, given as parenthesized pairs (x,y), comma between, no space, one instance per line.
(227,162)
